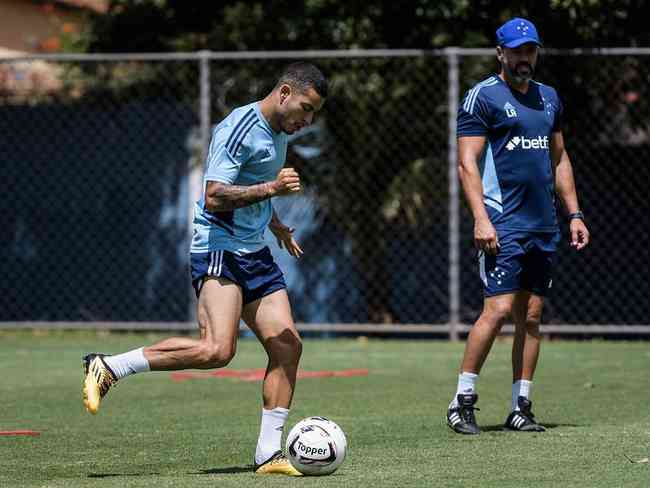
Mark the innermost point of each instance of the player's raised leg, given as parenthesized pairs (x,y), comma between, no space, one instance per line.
(270,319)
(219,312)
(527,314)
(460,414)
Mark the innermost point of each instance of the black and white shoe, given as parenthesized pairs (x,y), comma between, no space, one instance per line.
(461,418)
(523,420)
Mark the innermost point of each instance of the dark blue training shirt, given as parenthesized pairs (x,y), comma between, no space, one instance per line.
(516,168)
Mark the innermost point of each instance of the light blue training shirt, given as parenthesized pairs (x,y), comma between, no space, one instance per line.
(244,151)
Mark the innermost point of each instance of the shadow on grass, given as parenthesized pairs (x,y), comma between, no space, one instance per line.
(116,475)
(227,470)
(243,469)
(499,427)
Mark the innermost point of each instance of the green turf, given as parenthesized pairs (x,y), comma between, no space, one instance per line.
(152,432)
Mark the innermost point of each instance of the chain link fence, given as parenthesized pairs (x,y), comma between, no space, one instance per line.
(102,158)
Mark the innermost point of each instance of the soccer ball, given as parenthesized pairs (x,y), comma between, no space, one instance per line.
(316,446)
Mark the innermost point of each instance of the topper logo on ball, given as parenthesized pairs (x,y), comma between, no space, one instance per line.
(298,448)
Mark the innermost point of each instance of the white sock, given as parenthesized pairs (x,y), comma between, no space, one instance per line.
(128,363)
(466,385)
(270,439)
(520,388)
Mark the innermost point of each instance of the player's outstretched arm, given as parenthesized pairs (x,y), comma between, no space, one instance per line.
(284,235)
(220,197)
(470,149)
(566,189)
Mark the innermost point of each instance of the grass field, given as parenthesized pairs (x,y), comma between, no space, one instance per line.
(154,432)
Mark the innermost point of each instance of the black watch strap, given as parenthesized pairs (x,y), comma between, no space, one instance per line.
(576,215)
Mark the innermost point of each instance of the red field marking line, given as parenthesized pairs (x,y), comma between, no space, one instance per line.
(258,374)
(19,432)
(217,373)
(345,373)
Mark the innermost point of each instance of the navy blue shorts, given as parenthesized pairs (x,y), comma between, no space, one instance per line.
(256,273)
(525,262)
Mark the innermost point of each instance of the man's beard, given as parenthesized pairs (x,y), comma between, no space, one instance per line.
(522,73)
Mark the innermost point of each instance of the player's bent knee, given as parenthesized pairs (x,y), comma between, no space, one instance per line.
(532,325)
(297,349)
(497,313)
(216,355)
(285,348)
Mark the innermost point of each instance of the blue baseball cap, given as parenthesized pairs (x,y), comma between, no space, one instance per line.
(516,32)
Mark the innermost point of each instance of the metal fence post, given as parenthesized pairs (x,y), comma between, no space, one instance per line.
(204,101)
(195,175)
(454,201)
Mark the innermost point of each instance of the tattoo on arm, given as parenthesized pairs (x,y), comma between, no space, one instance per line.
(220,197)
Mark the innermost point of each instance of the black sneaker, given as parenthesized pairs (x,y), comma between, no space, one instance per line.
(523,420)
(461,418)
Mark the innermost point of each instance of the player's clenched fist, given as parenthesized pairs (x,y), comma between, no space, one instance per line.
(287,182)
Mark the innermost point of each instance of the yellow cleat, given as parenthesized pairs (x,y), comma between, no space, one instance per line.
(277,464)
(98,380)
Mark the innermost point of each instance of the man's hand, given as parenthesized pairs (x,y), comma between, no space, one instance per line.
(285,238)
(286,183)
(579,234)
(485,237)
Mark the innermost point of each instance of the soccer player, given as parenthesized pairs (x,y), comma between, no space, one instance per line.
(511,162)
(233,272)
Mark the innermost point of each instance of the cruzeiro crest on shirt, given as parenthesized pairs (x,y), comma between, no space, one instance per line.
(510,110)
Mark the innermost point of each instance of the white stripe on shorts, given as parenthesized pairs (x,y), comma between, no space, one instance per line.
(220,263)
(216,263)
(481,267)
(210,263)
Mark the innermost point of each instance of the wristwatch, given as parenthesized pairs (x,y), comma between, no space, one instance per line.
(576,215)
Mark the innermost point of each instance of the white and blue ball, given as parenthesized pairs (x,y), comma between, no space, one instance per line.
(316,446)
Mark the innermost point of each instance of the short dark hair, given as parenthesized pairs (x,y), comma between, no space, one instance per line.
(303,75)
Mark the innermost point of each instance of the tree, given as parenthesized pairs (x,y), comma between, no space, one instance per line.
(367,99)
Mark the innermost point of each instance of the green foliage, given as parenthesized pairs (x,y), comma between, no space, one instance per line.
(368,96)
(165,25)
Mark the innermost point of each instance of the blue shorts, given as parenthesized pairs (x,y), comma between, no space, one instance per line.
(256,273)
(525,261)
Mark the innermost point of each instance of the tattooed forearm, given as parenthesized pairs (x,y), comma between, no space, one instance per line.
(220,197)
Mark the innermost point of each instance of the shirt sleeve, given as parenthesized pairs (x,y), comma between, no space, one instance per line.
(559,112)
(222,164)
(473,116)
